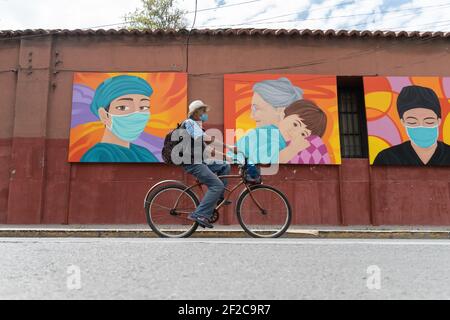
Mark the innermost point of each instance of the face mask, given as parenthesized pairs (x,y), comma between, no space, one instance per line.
(423,137)
(129,127)
(204,117)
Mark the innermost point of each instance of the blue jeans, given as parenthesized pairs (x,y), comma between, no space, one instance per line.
(208,175)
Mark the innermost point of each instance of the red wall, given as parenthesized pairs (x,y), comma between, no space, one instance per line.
(37,185)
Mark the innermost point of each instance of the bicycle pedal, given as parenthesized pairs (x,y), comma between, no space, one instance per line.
(224,203)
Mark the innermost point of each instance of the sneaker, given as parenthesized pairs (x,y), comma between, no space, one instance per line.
(193,217)
(202,221)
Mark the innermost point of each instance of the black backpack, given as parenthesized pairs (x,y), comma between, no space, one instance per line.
(169,144)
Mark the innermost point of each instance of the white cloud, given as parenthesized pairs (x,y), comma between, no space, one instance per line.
(331,14)
(62,14)
(312,14)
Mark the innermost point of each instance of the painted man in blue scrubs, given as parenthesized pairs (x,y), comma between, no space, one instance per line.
(420,113)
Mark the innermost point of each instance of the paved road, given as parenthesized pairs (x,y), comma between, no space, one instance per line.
(223,269)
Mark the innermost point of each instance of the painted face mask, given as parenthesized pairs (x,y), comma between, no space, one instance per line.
(204,117)
(423,137)
(129,127)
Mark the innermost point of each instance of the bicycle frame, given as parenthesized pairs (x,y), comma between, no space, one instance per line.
(227,190)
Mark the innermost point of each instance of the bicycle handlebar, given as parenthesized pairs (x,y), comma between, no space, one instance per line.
(245,158)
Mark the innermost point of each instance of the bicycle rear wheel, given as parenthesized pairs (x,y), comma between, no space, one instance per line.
(264,212)
(167,209)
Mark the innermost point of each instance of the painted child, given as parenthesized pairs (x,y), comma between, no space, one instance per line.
(303,122)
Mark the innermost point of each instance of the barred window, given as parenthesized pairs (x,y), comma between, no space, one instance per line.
(352,117)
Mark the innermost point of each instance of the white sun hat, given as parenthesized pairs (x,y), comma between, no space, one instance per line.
(194,106)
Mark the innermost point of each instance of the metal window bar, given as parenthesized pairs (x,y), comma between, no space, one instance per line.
(352,118)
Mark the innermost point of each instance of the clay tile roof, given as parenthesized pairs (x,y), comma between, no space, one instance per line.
(227,32)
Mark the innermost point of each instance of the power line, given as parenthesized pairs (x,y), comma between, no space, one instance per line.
(320,61)
(258,22)
(224,6)
(367,23)
(292,66)
(304,11)
(280,68)
(189,12)
(265,19)
(304,64)
(317,62)
(390,18)
(234,5)
(189,36)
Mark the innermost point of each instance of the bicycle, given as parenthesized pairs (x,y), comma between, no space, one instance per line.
(262,211)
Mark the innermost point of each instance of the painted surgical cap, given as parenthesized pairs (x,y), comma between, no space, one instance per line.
(278,93)
(116,87)
(418,97)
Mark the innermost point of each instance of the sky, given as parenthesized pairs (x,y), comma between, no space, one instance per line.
(420,15)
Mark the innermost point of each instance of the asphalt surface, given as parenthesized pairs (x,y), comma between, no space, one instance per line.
(224,269)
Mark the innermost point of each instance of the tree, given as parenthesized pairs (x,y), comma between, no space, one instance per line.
(157,14)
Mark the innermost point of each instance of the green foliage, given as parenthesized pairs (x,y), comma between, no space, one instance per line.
(157,14)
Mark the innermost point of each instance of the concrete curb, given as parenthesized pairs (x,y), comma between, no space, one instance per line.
(298,233)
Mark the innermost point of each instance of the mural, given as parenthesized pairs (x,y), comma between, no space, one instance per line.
(408,120)
(124,117)
(288,119)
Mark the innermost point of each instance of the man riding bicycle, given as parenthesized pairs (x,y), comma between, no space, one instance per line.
(204,169)
(262,210)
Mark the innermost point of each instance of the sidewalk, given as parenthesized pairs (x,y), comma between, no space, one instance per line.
(143,231)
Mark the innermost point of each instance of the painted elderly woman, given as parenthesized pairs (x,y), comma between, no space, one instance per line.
(122,104)
(270,102)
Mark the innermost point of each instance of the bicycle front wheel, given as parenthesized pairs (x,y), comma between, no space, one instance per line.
(167,209)
(264,212)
